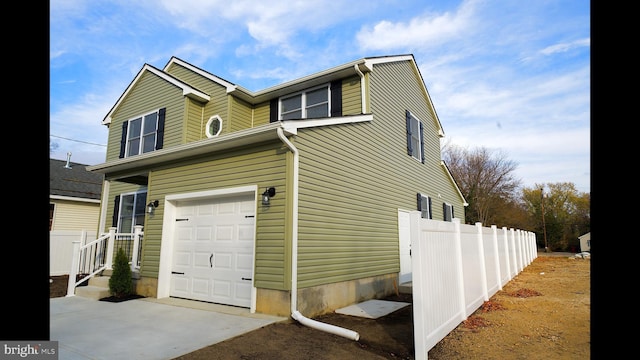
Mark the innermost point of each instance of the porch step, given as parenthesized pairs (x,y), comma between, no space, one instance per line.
(96,289)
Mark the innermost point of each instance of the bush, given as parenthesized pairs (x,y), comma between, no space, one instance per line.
(121,281)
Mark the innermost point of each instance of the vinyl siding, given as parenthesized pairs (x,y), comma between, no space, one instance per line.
(241,114)
(218,105)
(195,121)
(355,177)
(351,96)
(150,93)
(75,215)
(261,114)
(263,165)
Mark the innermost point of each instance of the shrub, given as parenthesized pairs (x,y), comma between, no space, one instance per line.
(121,282)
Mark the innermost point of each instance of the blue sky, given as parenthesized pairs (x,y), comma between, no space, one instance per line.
(509,75)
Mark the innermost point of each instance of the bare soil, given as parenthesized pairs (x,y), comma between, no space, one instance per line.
(542,313)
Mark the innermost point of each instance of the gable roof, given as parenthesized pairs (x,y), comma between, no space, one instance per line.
(73,182)
(187,90)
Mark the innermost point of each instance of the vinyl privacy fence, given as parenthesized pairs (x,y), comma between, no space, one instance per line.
(456,268)
(61,249)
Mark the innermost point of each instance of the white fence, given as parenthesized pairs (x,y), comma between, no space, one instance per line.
(456,268)
(61,249)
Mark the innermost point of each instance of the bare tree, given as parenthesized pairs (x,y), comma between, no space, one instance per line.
(485,179)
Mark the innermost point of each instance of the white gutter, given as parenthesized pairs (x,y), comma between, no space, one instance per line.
(295,314)
(362,91)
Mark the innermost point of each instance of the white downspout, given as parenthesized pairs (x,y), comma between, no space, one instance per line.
(362,92)
(295,314)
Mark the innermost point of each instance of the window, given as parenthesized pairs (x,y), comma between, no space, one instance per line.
(130,211)
(415,141)
(214,126)
(52,208)
(424,206)
(142,134)
(447,210)
(313,103)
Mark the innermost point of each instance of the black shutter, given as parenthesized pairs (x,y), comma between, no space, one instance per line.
(452,216)
(123,139)
(419,202)
(421,144)
(273,110)
(336,98)
(160,133)
(430,213)
(408,116)
(444,211)
(116,209)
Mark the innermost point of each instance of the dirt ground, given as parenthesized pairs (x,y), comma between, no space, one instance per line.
(542,313)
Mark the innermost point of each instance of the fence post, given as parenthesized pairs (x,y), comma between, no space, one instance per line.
(496,255)
(110,244)
(483,264)
(75,260)
(137,230)
(505,239)
(460,270)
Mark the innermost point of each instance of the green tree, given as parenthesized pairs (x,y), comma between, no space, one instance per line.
(121,281)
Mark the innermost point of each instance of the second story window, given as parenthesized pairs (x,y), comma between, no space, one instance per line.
(142,134)
(312,103)
(415,141)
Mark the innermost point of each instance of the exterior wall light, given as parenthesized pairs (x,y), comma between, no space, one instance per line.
(267,195)
(151,206)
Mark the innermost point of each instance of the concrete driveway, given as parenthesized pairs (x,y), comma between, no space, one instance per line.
(144,329)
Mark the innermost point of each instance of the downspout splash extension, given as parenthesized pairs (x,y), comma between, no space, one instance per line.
(295,314)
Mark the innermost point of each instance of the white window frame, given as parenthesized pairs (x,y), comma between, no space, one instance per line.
(303,102)
(208,127)
(139,202)
(143,137)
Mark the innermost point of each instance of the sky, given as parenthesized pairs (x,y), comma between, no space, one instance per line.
(510,76)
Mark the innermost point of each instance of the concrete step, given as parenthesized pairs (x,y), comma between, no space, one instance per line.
(93,292)
(406,288)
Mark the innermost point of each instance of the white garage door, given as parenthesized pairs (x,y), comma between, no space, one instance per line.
(214,250)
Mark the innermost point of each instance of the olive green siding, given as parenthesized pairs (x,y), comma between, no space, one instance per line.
(351,96)
(261,114)
(241,115)
(355,177)
(263,165)
(217,105)
(150,93)
(195,123)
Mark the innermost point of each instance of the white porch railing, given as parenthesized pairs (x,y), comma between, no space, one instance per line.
(94,257)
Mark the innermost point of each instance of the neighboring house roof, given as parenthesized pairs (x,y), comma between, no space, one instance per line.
(72,181)
(586,236)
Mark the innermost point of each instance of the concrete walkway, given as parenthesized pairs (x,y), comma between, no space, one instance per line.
(144,329)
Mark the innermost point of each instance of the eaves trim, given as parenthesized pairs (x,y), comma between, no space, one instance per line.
(446,170)
(71,198)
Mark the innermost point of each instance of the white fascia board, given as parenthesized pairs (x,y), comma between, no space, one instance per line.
(76,199)
(229,86)
(292,126)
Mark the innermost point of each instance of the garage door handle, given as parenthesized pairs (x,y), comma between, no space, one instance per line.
(246,278)
(179,273)
(211,257)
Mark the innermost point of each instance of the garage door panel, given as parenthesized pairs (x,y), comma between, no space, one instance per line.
(224,228)
(223,261)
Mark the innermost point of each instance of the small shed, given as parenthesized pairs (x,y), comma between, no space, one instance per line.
(585,242)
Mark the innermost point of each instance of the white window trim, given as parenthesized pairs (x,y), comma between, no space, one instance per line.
(211,119)
(140,147)
(303,102)
(137,194)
